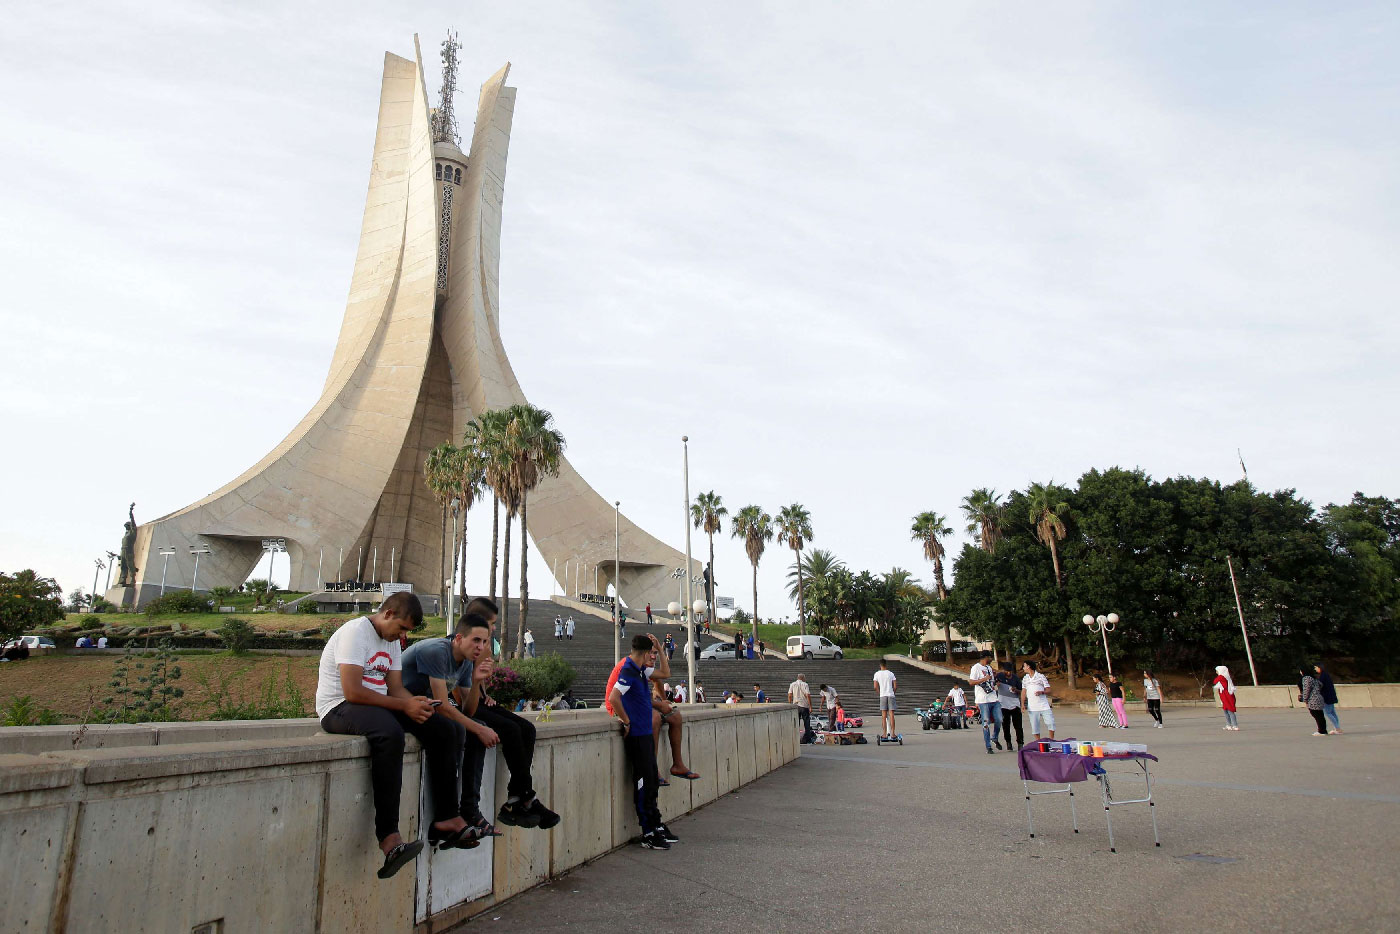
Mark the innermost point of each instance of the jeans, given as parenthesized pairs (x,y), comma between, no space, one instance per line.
(641,755)
(384,728)
(991,722)
(1011,716)
(517,747)
(1154,707)
(1231,719)
(1331,711)
(530,649)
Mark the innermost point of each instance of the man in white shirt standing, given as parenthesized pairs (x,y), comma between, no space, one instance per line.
(529,644)
(1035,697)
(983,680)
(885,685)
(800,694)
(359,691)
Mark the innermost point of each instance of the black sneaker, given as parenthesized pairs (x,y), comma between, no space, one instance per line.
(545,818)
(997,743)
(667,835)
(518,814)
(991,751)
(654,841)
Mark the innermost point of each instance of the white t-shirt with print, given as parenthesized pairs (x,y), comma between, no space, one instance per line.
(1036,682)
(986,691)
(958,696)
(885,679)
(355,643)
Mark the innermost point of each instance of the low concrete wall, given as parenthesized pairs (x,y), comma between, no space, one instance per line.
(1348,695)
(268,825)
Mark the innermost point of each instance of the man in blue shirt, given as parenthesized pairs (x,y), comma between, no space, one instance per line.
(758,696)
(630,700)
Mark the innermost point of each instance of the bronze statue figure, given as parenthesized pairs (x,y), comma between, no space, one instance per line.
(127,559)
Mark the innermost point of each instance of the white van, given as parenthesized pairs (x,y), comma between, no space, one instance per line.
(812,647)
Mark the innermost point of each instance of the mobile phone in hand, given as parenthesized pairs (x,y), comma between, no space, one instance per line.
(434,703)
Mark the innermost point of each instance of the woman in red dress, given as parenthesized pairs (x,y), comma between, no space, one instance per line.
(1224,687)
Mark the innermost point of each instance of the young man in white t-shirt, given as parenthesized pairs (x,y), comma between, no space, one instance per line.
(359,691)
(983,680)
(1035,697)
(885,685)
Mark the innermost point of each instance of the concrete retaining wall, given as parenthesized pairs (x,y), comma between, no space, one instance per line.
(268,825)
(1348,695)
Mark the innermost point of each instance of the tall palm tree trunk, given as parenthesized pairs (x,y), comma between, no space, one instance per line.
(495,537)
(1071,678)
(461,581)
(801,595)
(442,565)
(1069,664)
(710,596)
(1055,557)
(755,602)
(524,560)
(948,642)
(505,595)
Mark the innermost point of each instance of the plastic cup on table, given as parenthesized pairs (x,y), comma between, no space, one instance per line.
(1098,751)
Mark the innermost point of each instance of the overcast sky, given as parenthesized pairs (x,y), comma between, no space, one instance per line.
(868,256)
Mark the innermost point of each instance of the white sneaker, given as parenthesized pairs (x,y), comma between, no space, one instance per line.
(1315,733)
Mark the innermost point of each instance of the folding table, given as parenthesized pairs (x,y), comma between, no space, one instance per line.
(1067,768)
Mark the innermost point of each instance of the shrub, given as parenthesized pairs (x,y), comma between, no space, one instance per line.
(151,696)
(329,627)
(505,685)
(178,601)
(236,634)
(103,605)
(90,621)
(22,711)
(542,678)
(308,606)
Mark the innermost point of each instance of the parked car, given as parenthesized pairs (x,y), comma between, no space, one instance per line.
(31,642)
(718,650)
(813,647)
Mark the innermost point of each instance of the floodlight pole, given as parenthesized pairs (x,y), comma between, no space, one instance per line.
(202,550)
(100,566)
(320,562)
(111,559)
(165,565)
(1239,607)
(617,580)
(451,581)
(689,607)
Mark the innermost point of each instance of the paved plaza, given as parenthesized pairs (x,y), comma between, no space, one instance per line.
(1265,829)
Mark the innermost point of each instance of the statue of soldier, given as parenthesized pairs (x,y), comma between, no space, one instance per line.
(127,558)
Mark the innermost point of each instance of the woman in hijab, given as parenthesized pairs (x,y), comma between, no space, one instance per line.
(1310,693)
(1224,687)
(1115,693)
(1107,718)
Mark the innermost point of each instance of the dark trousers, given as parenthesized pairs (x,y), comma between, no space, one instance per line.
(1320,720)
(641,756)
(1154,707)
(1011,716)
(804,714)
(442,747)
(517,746)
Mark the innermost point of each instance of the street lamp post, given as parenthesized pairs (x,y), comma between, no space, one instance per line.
(617,580)
(451,583)
(100,565)
(1239,608)
(111,559)
(689,573)
(393,555)
(165,565)
(201,550)
(1103,625)
(320,563)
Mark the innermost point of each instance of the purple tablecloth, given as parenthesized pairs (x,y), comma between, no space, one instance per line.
(1061,767)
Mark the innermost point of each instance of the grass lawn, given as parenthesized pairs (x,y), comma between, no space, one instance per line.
(72,685)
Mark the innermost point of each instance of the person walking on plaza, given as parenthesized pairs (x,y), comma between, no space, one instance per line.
(1107,718)
(650,621)
(1224,687)
(1115,692)
(1329,695)
(800,694)
(748,644)
(360,692)
(1035,696)
(983,681)
(558,627)
(670,647)
(569,628)
(1152,690)
(1310,694)
(885,683)
(1009,695)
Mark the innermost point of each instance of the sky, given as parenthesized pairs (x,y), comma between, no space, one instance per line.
(868,257)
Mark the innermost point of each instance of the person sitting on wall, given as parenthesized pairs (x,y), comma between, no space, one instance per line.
(359,691)
(517,736)
(451,671)
(662,709)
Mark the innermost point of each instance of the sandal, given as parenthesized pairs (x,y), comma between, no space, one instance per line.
(447,839)
(688,776)
(482,828)
(399,857)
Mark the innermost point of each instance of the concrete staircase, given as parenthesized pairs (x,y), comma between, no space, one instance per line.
(591,654)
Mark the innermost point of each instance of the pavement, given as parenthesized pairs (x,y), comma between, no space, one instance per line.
(1265,829)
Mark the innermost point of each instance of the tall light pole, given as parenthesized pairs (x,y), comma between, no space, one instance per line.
(374,574)
(689,602)
(340,565)
(617,580)
(451,581)
(100,565)
(201,550)
(111,559)
(1103,625)
(1239,607)
(393,555)
(165,565)
(320,562)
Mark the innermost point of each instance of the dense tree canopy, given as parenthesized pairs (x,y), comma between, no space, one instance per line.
(27,601)
(1311,582)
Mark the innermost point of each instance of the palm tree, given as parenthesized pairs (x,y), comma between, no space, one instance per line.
(755,527)
(928,529)
(817,565)
(535,448)
(985,517)
(487,435)
(1046,513)
(437,475)
(706,512)
(795,529)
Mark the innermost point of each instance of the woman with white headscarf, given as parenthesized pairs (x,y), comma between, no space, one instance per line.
(1224,687)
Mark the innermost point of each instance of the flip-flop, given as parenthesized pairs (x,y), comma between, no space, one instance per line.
(663,783)
(484,828)
(399,857)
(688,776)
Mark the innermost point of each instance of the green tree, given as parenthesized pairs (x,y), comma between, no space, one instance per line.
(706,513)
(262,590)
(755,527)
(1047,512)
(795,530)
(28,601)
(986,517)
(439,475)
(928,530)
(486,434)
(535,448)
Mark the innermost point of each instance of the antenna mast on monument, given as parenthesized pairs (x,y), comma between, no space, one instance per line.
(444,121)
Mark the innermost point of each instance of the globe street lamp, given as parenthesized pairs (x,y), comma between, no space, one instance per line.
(1103,625)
